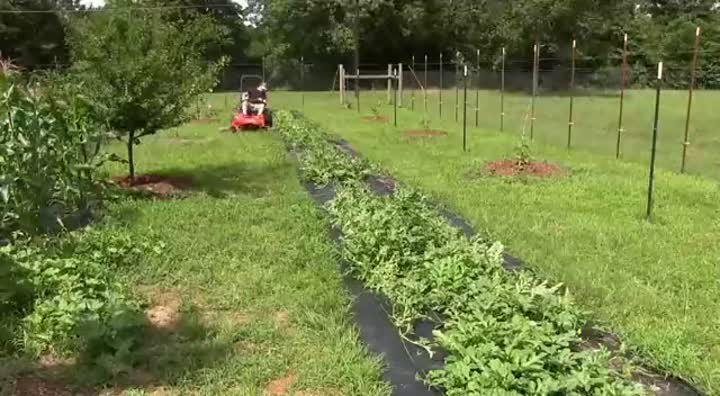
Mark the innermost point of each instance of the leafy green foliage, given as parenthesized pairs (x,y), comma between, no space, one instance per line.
(49,153)
(321,163)
(506,333)
(523,153)
(145,70)
(65,297)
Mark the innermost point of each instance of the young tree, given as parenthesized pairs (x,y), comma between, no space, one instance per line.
(144,66)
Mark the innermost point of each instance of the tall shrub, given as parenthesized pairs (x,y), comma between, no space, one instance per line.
(145,68)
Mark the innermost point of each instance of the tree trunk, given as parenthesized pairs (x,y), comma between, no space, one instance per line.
(131,163)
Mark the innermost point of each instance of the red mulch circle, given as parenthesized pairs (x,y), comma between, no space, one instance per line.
(425,133)
(156,185)
(376,118)
(513,168)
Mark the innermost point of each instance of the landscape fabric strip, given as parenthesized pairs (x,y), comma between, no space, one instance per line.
(504,333)
(376,330)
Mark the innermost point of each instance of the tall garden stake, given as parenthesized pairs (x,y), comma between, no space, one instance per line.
(477,91)
(536,51)
(441,85)
(465,86)
(394,82)
(571,121)
(502,92)
(425,88)
(412,90)
(302,81)
(357,88)
(622,95)
(686,142)
(457,87)
(651,183)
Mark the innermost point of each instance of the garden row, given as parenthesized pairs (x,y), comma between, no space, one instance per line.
(504,333)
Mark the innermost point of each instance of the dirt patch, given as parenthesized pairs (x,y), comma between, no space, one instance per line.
(514,168)
(156,185)
(204,120)
(281,318)
(314,392)
(164,312)
(376,118)
(33,386)
(425,133)
(280,386)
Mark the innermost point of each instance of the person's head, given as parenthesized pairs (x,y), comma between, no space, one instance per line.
(262,86)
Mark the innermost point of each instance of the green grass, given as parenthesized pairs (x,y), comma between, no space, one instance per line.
(249,268)
(655,284)
(596,119)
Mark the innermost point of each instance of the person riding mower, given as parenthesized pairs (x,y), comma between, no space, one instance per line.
(255,100)
(252,113)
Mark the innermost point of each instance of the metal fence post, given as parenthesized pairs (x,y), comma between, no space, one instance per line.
(457,87)
(412,90)
(465,86)
(686,141)
(477,91)
(622,96)
(502,92)
(400,84)
(425,81)
(440,101)
(389,86)
(302,81)
(536,51)
(651,183)
(571,121)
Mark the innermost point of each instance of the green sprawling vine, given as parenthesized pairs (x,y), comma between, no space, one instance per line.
(506,333)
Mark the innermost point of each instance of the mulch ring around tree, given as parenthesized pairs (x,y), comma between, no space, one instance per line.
(509,168)
(377,118)
(425,133)
(158,186)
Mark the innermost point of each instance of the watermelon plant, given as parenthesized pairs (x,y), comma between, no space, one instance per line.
(505,333)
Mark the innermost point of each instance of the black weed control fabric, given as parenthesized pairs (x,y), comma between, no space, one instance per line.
(404,360)
(662,385)
(406,363)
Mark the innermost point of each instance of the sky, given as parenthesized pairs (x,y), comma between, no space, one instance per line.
(101,2)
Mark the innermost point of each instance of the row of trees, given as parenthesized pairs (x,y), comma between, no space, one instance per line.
(392,30)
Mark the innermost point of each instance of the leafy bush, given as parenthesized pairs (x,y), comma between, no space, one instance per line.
(49,154)
(146,68)
(506,333)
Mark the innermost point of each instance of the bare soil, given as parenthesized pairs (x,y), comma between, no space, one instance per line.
(376,118)
(204,120)
(514,168)
(156,185)
(424,133)
(280,386)
(164,312)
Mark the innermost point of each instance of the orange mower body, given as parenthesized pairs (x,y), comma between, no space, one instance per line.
(242,122)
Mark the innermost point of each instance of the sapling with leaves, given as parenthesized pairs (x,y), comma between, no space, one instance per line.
(145,68)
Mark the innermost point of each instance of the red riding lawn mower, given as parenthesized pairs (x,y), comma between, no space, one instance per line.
(252,120)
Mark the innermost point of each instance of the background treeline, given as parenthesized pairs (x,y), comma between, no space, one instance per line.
(282,31)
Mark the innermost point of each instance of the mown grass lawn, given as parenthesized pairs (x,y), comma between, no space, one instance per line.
(247,295)
(655,284)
